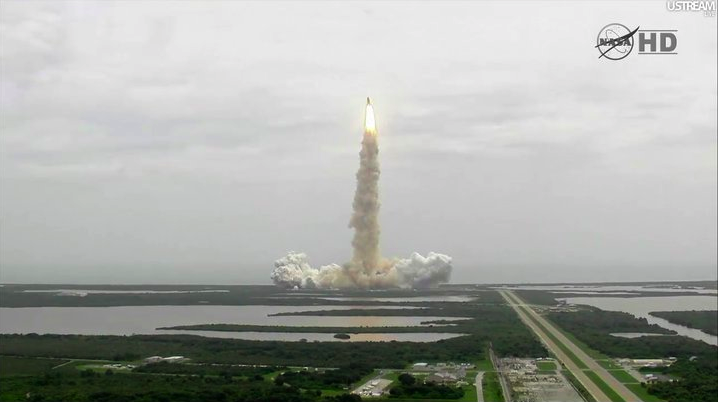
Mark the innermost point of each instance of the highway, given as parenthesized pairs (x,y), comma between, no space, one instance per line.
(516,303)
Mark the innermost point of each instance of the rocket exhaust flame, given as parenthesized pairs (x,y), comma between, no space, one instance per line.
(367,269)
(369,123)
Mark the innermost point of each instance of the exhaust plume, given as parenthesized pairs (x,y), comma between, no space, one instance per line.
(367,268)
(365,219)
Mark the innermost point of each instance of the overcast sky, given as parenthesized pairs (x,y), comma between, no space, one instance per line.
(197,142)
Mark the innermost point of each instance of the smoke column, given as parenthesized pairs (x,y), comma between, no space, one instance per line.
(365,219)
(367,269)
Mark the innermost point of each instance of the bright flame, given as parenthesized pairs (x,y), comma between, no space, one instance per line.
(369,124)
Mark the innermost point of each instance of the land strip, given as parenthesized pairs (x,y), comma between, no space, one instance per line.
(599,383)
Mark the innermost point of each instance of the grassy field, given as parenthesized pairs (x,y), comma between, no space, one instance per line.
(596,355)
(484,365)
(610,393)
(491,388)
(623,376)
(608,364)
(546,366)
(469,392)
(642,393)
(366,378)
(10,365)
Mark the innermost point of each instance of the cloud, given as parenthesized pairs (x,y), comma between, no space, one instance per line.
(235,118)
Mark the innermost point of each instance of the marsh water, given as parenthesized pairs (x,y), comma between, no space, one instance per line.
(128,320)
(642,306)
(613,289)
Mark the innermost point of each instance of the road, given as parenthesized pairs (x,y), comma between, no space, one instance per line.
(479,390)
(515,302)
(499,371)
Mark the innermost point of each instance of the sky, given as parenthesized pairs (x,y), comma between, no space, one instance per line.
(198,142)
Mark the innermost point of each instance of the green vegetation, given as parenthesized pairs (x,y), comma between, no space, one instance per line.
(696,368)
(623,376)
(594,327)
(578,386)
(546,366)
(224,370)
(491,387)
(555,340)
(608,364)
(459,328)
(696,380)
(489,323)
(10,366)
(540,297)
(235,351)
(484,365)
(469,393)
(427,390)
(548,298)
(337,379)
(642,392)
(593,353)
(449,309)
(231,295)
(86,386)
(610,393)
(408,387)
(30,362)
(610,321)
(706,321)
(216,362)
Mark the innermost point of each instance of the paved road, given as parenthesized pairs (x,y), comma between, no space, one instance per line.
(499,371)
(514,301)
(479,390)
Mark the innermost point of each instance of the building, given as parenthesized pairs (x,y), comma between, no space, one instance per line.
(169,359)
(442,378)
(153,359)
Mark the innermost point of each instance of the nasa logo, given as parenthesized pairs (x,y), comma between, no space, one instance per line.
(615,41)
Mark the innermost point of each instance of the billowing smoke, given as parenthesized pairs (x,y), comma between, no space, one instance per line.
(367,269)
(416,272)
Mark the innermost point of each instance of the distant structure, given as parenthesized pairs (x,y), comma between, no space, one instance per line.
(169,359)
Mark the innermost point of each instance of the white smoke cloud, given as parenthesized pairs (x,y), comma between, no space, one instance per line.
(416,272)
(423,272)
(367,268)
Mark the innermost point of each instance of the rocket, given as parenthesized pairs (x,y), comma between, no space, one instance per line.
(369,122)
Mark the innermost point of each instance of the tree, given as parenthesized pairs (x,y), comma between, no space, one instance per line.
(407,379)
